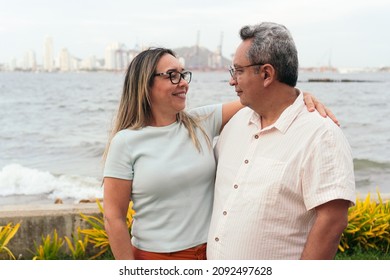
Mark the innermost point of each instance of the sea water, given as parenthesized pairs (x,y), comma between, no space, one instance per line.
(54,128)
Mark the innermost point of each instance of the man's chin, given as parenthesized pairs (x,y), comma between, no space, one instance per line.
(243,102)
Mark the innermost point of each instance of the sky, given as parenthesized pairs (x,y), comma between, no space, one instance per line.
(340,33)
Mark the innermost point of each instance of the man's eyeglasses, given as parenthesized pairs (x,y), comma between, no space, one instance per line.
(233,70)
(176,76)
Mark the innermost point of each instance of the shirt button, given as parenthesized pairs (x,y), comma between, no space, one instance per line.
(246,161)
(224,213)
(256,136)
(236,186)
(216,239)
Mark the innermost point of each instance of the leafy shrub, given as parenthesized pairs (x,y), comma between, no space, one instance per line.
(77,246)
(7,232)
(97,234)
(368,226)
(50,248)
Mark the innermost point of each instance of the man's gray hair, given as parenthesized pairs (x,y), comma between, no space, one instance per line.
(272,43)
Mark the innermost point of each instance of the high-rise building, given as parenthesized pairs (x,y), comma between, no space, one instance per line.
(116,57)
(12,64)
(29,61)
(109,57)
(48,55)
(65,61)
(89,63)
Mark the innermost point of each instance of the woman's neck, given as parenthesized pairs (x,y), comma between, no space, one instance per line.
(162,120)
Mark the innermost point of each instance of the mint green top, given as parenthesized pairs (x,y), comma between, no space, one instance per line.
(173,183)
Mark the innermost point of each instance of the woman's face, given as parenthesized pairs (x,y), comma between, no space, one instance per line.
(167,99)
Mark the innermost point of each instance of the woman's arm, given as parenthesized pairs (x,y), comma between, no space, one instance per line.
(116,201)
(312,103)
(228,111)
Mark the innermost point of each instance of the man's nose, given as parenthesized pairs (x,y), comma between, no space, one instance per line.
(232,81)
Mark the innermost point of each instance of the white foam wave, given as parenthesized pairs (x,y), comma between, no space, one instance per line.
(16,179)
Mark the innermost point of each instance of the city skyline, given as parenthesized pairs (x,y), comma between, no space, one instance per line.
(115,57)
(326,32)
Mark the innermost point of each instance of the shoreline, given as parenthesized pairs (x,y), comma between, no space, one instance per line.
(40,200)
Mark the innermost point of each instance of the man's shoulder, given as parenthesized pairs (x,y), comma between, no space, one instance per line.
(312,123)
(316,120)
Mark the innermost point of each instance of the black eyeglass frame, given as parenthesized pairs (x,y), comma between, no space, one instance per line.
(232,69)
(182,76)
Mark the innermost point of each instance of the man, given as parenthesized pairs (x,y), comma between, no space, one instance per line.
(285,176)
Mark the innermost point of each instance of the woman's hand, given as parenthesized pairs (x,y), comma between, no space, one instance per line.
(313,103)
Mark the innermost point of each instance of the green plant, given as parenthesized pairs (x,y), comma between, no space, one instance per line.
(7,232)
(50,249)
(97,234)
(368,226)
(77,246)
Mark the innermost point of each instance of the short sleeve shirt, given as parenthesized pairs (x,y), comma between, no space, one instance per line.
(173,182)
(270,180)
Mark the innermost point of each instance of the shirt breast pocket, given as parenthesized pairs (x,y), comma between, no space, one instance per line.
(264,181)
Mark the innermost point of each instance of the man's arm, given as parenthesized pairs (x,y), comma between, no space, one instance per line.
(324,237)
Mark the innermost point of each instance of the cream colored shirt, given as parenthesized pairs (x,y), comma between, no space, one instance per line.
(270,180)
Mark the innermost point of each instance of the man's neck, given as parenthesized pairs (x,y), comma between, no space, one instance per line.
(278,100)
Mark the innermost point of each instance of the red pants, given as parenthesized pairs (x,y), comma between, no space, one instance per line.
(194,253)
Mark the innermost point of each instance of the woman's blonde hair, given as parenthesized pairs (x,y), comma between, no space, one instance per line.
(134,110)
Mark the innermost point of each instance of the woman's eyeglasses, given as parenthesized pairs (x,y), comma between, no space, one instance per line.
(176,76)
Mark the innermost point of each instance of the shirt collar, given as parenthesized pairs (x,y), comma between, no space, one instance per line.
(286,118)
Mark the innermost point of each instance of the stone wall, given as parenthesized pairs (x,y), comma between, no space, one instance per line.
(39,221)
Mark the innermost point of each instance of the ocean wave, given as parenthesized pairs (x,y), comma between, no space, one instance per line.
(94,149)
(361,164)
(16,179)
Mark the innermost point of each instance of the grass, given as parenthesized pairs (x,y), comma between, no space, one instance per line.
(361,254)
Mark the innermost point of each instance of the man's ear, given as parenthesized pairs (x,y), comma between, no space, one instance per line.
(268,74)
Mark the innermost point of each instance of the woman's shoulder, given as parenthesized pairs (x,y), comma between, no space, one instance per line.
(125,135)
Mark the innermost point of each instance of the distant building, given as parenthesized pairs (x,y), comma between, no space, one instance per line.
(109,57)
(29,61)
(200,58)
(48,55)
(65,61)
(118,56)
(13,64)
(89,64)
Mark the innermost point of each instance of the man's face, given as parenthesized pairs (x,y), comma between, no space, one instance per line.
(246,80)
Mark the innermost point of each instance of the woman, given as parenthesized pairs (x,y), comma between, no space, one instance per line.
(160,157)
